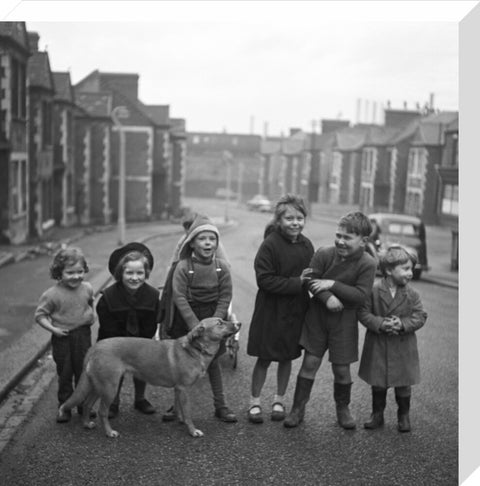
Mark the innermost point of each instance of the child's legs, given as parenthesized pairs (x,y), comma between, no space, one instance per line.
(283,376)
(80,342)
(341,373)
(216,383)
(403,391)
(259,376)
(310,365)
(139,387)
(61,356)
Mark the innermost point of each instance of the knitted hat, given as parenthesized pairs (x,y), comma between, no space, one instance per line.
(200,223)
(119,253)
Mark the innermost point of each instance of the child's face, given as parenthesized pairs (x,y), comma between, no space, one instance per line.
(401,274)
(348,243)
(204,245)
(133,275)
(292,222)
(73,275)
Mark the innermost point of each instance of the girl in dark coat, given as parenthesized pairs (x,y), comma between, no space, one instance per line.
(129,307)
(282,299)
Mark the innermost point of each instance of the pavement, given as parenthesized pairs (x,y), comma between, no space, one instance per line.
(25,364)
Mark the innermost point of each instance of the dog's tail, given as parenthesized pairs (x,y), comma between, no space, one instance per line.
(82,390)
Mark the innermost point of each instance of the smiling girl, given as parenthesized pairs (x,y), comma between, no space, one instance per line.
(129,308)
(281,302)
(66,310)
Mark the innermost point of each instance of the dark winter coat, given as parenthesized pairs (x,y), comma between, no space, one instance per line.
(391,360)
(281,300)
(120,314)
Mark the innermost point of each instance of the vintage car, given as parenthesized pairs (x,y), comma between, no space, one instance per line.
(260,203)
(406,230)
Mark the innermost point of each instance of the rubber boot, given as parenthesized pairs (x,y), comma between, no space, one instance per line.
(403,413)
(300,399)
(379,401)
(341,394)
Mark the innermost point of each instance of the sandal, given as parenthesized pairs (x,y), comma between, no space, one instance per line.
(257,417)
(278,415)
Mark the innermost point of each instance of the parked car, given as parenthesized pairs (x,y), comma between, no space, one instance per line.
(406,230)
(260,203)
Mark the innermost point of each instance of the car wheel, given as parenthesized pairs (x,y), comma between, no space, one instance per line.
(417,273)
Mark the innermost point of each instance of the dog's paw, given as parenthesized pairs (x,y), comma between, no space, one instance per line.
(113,434)
(89,425)
(196,433)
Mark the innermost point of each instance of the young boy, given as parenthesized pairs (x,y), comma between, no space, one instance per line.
(341,280)
(392,315)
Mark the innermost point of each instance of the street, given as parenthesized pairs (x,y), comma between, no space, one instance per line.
(319,452)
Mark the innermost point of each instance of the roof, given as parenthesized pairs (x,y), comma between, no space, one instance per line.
(160,114)
(351,138)
(178,126)
(15,32)
(38,71)
(63,87)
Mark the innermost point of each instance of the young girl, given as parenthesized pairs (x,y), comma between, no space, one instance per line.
(282,299)
(129,307)
(201,288)
(66,310)
(390,354)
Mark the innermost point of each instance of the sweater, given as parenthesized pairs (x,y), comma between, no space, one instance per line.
(67,308)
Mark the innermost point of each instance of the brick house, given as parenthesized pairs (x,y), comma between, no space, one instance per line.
(14,192)
(41,91)
(64,110)
(205,168)
(146,166)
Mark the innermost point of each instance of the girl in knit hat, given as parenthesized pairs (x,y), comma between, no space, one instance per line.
(129,307)
(201,288)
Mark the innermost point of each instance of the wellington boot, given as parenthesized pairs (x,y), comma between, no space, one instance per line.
(379,399)
(376,421)
(403,413)
(300,399)
(341,394)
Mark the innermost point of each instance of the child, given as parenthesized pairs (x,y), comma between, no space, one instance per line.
(66,310)
(201,288)
(129,307)
(390,355)
(281,302)
(342,279)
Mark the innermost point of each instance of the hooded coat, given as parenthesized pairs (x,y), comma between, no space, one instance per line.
(281,300)
(391,360)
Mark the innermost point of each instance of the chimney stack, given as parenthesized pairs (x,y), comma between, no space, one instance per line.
(33,39)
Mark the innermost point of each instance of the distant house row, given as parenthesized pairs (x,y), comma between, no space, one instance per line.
(60,148)
(407,165)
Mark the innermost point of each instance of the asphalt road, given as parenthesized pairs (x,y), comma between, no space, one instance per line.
(319,452)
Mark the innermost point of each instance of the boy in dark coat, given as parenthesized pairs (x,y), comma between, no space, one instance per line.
(342,279)
(282,299)
(390,355)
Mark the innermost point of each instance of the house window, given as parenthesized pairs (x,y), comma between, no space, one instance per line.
(234,141)
(413,202)
(450,200)
(196,139)
(18,88)
(19,187)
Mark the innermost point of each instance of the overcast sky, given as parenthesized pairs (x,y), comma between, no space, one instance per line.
(283,64)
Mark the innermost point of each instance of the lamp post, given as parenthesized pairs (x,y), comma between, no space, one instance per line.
(117,113)
(227,157)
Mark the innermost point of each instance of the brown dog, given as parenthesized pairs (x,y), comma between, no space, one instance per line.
(176,363)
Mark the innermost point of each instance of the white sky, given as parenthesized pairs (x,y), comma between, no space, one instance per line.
(237,65)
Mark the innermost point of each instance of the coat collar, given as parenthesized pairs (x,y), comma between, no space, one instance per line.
(391,303)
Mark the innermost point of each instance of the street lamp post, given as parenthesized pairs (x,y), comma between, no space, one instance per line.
(227,158)
(117,113)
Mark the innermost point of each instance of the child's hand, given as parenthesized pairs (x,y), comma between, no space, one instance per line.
(318,285)
(397,324)
(306,275)
(59,332)
(334,304)
(386,326)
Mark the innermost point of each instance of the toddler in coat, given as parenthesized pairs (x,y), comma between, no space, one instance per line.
(390,356)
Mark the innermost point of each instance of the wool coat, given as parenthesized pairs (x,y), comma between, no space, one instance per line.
(281,300)
(391,360)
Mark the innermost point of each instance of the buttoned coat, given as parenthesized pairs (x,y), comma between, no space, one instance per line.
(391,360)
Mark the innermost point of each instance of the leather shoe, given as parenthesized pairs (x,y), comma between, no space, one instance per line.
(170,415)
(255,418)
(225,414)
(113,411)
(144,406)
(64,416)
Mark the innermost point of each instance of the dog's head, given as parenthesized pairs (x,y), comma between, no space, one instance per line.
(212,330)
